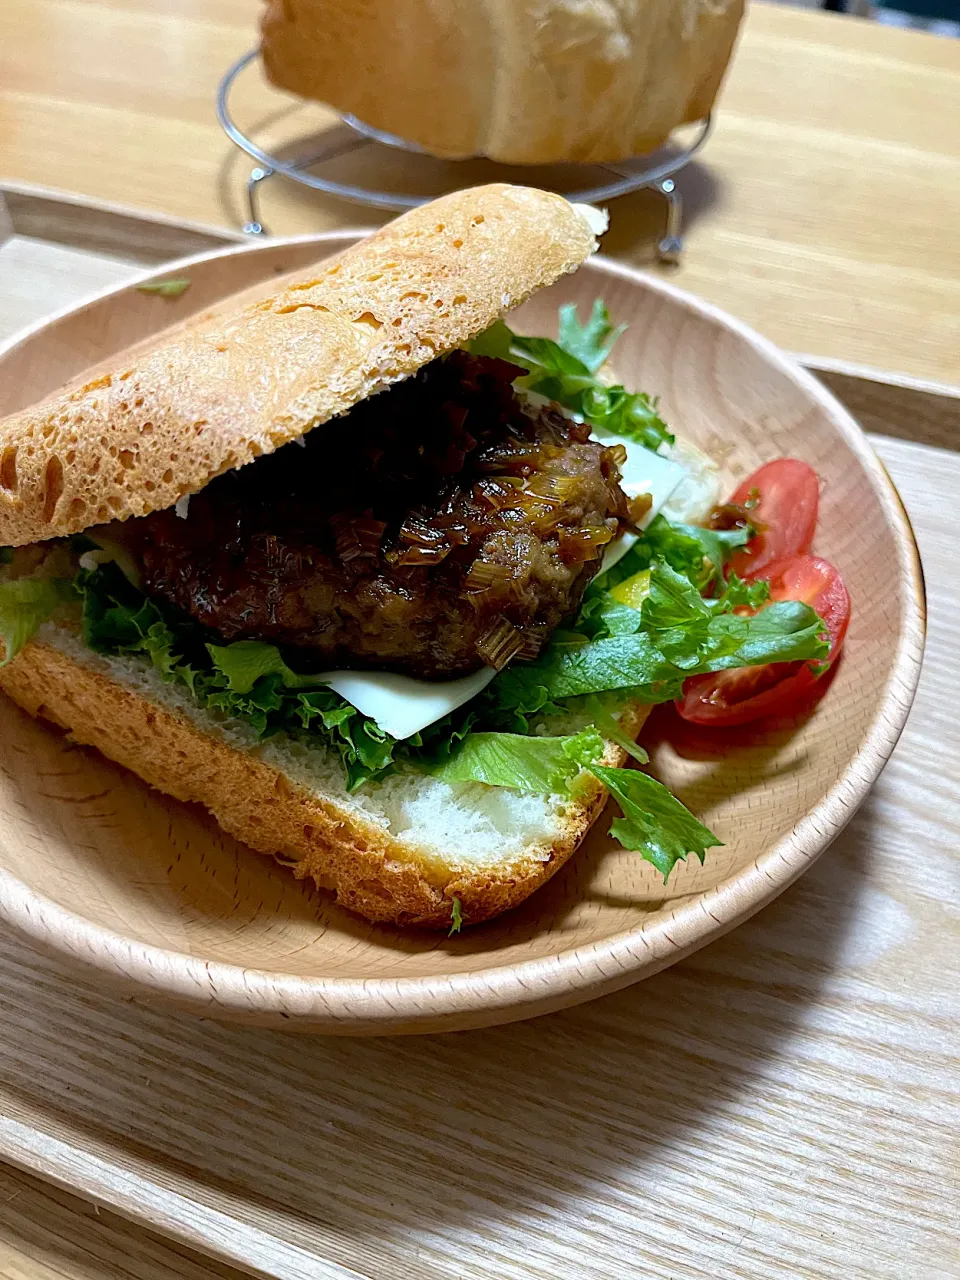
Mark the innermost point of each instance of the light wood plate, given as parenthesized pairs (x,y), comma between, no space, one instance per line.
(153,897)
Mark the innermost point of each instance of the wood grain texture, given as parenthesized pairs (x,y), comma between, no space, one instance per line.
(34,271)
(816,213)
(50,1234)
(782,1103)
(100,228)
(56,250)
(97,867)
(894,404)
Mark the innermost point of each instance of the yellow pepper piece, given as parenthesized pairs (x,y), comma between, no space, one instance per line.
(633,591)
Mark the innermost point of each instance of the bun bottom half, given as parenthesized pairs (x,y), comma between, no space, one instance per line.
(397,852)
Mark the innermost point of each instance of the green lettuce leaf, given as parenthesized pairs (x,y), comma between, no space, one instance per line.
(245,662)
(718,546)
(557,375)
(116,615)
(609,726)
(165,288)
(592,342)
(664,541)
(787,631)
(25,605)
(607,616)
(614,662)
(6,555)
(456,918)
(247,680)
(672,602)
(654,824)
(494,342)
(542,765)
(737,593)
(366,751)
(566,376)
(680,634)
(701,555)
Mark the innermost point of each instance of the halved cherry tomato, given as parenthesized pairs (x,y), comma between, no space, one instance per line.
(782,498)
(815,582)
(750,693)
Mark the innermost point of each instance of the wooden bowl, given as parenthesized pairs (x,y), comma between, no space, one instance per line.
(151,895)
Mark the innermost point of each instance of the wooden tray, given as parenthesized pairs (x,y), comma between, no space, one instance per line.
(782,1103)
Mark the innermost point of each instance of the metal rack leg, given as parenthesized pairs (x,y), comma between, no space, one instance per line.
(629,178)
(254,227)
(670,246)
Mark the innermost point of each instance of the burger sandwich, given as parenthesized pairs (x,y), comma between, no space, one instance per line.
(385,586)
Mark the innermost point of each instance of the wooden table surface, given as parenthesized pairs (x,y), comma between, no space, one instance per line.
(786,1110)
(824,212)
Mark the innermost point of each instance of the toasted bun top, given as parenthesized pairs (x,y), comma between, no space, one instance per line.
(138,439)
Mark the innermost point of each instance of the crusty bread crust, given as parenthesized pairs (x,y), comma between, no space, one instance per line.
(357,860)
(521,81)
(220,395)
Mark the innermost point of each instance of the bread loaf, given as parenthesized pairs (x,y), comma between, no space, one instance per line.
(520,81)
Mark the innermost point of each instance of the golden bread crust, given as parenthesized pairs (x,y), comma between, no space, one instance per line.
(358,861)
(220,395)
(520,81)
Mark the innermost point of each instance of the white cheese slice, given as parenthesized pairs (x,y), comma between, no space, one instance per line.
(699,491)
(402,706)
(643,472)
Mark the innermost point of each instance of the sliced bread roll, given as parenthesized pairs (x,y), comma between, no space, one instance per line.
(520,81)
(397,851)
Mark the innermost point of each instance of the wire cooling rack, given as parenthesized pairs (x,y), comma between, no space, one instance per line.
(306,165)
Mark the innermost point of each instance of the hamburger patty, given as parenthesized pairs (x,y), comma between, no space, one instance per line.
(442,524)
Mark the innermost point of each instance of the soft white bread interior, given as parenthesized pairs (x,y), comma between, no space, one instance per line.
(521,81)
(222,394)
(397,851)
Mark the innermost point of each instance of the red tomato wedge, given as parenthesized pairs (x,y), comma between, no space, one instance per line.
(782,499)
(750,693)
